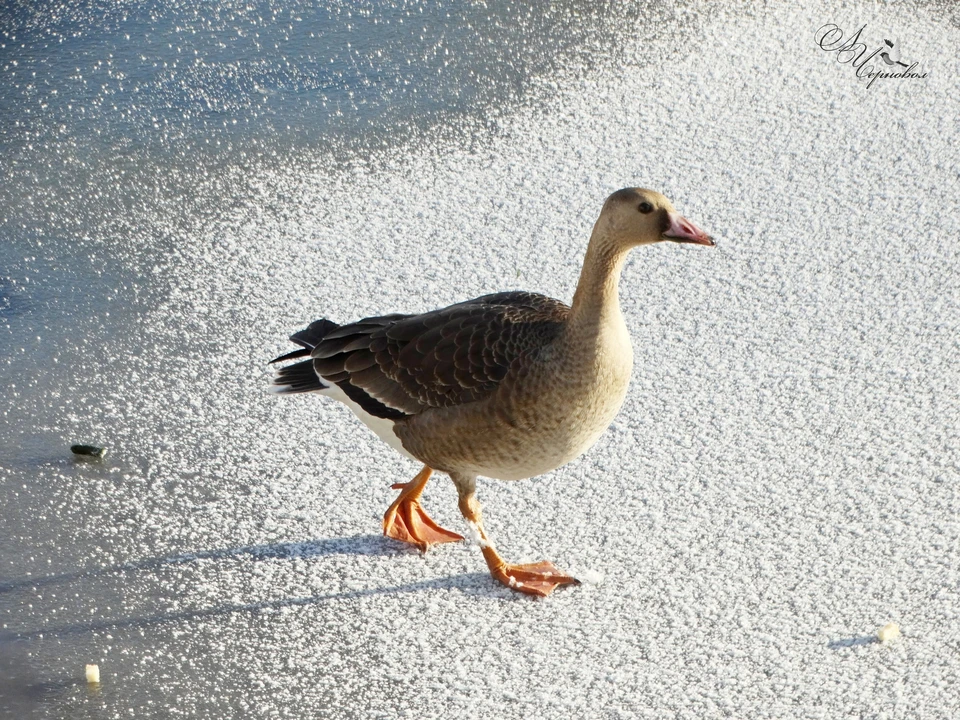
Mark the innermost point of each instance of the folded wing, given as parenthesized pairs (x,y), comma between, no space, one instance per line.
(400,365)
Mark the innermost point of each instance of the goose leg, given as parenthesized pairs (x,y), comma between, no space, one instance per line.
(540,578)
(407,521)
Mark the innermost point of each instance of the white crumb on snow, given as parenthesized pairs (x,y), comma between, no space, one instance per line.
(589,577)
(890,631)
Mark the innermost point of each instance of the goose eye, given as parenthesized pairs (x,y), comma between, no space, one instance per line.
(645,207)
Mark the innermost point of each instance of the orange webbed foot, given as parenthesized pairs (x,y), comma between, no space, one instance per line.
(540,578)
(407,521)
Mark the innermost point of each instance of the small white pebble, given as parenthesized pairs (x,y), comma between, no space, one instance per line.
(93,674)
(890,631)
(589,577)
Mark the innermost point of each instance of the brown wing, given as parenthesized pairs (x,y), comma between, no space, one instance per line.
(400,365)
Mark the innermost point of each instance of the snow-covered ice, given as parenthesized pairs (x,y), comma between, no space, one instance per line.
(783,479)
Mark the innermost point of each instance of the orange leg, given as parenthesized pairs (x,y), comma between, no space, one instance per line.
(540,578)
(407,521)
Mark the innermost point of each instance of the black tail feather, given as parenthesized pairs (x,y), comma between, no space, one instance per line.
(297,378)
(308,339)
(301,377)
(316,331)
(302,352)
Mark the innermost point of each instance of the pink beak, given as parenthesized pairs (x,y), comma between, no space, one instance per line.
(682,230)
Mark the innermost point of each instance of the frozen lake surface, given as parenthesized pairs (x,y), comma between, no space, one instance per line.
(185,184)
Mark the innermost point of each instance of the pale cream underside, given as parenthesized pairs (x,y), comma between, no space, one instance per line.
(575,406)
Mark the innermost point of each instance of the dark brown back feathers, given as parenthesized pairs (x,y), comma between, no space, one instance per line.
(400,365)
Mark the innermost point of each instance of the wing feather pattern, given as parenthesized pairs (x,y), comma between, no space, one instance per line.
(396,366)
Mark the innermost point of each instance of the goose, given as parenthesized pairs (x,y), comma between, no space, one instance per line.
(506,386)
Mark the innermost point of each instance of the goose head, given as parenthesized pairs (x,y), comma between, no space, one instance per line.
(637,216)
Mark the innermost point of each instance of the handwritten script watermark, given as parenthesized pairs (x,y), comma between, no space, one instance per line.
(853,50)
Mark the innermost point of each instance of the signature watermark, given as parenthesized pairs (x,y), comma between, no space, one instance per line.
(855,51)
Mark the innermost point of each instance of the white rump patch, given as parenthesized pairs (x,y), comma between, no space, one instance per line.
(382,427)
